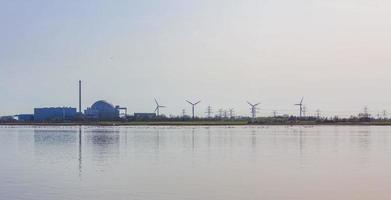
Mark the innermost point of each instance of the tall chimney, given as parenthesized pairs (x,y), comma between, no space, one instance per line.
(80,96)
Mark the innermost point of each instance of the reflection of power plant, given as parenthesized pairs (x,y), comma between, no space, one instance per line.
(56,137)
(70,144)
(103,144)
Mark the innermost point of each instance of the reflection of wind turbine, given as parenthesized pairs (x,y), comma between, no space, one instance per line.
(192,106)
(253,109)
(157,110)
(301,106)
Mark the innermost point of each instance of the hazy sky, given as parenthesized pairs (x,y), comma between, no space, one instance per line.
(335,53)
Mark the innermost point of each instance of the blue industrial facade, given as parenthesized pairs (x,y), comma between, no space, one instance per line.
(25,117)
(54,113)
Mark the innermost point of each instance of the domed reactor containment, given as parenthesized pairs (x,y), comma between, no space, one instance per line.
(103,110)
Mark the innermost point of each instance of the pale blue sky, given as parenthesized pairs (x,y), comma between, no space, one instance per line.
(224,52)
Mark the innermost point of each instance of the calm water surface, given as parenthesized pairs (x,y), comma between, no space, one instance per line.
(180,163)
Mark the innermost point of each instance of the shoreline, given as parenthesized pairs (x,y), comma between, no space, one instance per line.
(197,123)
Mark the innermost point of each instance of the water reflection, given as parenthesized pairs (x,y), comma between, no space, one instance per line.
(192,139)
(47,141)
(101,144)
(54,137)
(104,146)
(363,141)
(255,162)
(253,139)
(80,153)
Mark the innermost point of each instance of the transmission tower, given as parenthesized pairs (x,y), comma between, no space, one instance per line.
(225,114)
(318,114)
(304,110)
(366,114)
(221,113)
(231,113)
(209,112)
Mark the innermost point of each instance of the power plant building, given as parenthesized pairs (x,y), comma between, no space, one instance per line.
(54,113)
(25,117)
(103,110)
(100,110)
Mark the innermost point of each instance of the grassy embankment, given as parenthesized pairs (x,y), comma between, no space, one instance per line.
(201,123)
(134,123)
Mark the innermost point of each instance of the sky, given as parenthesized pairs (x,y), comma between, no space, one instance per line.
(335,53)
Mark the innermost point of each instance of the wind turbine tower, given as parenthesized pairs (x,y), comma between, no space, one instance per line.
(158,106)
(301,106)
(253,109)
(192,106)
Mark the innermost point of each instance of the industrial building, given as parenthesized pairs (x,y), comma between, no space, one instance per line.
(100,110)
(144,116)
(54,113)
(103,110)
(25,117)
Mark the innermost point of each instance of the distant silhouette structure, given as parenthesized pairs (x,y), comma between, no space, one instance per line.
(220,113)
(253,109)
(209,112)
(318,113)
(300,106)
(192,106)
(80,111)
(231,113)
(157,109)
(274,113)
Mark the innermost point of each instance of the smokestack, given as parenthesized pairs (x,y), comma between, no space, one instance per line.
(80,96)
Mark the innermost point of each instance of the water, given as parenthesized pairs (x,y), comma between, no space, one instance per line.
(180,163)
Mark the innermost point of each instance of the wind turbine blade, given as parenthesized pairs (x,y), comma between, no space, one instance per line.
(257,104)
(301,102)
(189,102)
(250,103)
(197,102)
(162,106)
(156,109)
(156,102)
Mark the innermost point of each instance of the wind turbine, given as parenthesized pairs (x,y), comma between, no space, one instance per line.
(253,109)
(157,110)
(192,106)
(301,106)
